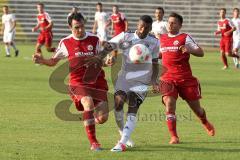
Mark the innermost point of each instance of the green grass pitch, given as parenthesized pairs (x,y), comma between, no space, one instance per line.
(29,128)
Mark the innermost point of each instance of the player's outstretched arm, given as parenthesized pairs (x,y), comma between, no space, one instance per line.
(155,74)
(39,59)
(36,28)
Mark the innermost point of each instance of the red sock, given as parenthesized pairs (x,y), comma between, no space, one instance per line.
(203,117)
(90,128)
(224,59)
(172,124)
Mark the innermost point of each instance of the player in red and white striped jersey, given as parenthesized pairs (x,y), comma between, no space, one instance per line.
(119,21)
(87,85)
(176,78)
(225,28)
(45,24)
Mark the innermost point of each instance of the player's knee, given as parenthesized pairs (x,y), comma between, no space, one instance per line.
(87,103)
(169,104)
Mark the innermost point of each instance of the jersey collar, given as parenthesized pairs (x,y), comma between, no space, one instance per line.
(86,35)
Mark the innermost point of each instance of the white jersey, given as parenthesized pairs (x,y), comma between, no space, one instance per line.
(136,72)
(8,21)
(102,19)
(236,23)
(159,27)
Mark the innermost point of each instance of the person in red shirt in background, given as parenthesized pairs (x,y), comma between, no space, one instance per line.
(87,84)
(119,21)
(225,28)
(176,78)
(45,25)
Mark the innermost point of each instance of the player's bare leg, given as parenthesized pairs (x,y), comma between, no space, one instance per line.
(101,112)
(201,114)
(89,122)
(170,105)
(134,103)
(38,48)
(224,60)
(15,48)
(7,49)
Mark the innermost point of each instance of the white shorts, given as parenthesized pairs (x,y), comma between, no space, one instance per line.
(8,37)
(102,35)
(236,43)
(122,84)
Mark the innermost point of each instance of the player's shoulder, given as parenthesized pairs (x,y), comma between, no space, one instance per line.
(152,36)
(89,34)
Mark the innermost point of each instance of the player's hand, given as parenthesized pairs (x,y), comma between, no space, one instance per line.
(184,49)
(110,61)
(34,29)
(37,58)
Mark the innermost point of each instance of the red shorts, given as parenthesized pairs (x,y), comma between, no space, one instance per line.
(45,38)
(188,89)
(97,91)
(226,45)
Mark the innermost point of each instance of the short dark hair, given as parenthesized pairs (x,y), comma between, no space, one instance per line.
(5,6)
(40,4)
(161,9)
(177,16)
(115,6)
(147,19)
(75,16)
(236,9)
(224,9)
(99,4)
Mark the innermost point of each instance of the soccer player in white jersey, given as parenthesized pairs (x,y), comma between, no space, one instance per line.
(159,26)
(8,31)
(133,79)
(101,22)
(236,35)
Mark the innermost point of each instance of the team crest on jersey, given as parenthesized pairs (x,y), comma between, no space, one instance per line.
(175,43)
(90,47)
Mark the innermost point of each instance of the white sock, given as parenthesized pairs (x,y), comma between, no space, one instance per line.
(235,60)
(128,128)
(14,46)
(119,118)
(7,48)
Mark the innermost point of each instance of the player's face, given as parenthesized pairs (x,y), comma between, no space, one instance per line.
(99,8)
(159,14)
(5,10)
(115,10)
(78,28)
(40,8)
(235,13)
(173,25)
(222,13)
(143,29)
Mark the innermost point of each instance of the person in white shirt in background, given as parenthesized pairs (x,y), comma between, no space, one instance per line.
(236,35)
(101,23)
(159,26)
(8,31)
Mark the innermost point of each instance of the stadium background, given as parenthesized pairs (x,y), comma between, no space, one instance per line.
(200,17)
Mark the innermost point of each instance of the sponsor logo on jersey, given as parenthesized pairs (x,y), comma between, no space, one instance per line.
(82,54)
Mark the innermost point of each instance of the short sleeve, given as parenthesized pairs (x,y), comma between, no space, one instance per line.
(191,43)
(61,51)
(117,39)
(48,17)
(13,17)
